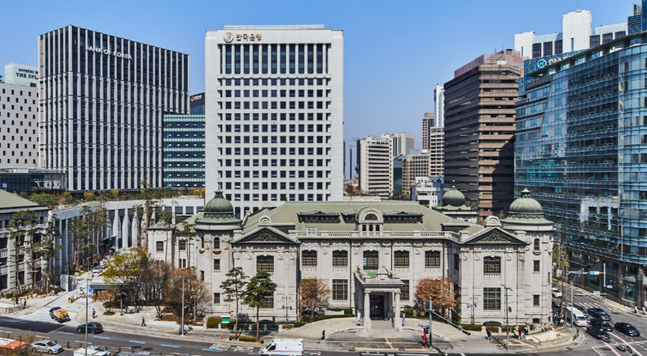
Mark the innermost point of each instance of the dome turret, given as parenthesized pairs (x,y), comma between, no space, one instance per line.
(454,197)
(218,211)
(525,205)
(218,205)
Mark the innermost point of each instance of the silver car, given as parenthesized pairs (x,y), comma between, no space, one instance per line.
(47,346)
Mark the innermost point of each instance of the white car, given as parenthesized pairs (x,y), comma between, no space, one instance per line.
(557,293)
(47,346)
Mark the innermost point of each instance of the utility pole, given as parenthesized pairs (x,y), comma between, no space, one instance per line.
(572,304)
(182,306)
(507,315)
(86,314)
(430,315)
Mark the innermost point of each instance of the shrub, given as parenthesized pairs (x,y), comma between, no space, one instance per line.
(471,327)
(299,323)
(213,322)
(109,312)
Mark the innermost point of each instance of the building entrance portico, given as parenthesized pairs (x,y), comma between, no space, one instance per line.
(381,300)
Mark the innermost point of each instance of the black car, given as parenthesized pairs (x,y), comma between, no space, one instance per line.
(598,334)
(601,324)
(93,328)
(598,313)
(556,308)
(627,329)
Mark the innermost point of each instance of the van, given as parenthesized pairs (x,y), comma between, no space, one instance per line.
(288,347)
(578,317)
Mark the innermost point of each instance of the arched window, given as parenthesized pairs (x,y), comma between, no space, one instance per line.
(371,217)
(536,245)
(432,258)
(309,258)
(371,260)
(340,258)
(265,264)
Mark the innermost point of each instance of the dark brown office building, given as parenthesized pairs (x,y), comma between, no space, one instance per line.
(479,130)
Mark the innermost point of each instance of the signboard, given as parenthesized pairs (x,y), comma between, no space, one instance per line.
(596,293)
(225,319)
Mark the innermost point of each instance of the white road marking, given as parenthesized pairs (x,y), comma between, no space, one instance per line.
(626,343)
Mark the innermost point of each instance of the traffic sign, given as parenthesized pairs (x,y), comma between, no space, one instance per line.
(89,290)
(424,326)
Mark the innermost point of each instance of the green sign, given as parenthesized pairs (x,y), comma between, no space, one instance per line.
(225,319)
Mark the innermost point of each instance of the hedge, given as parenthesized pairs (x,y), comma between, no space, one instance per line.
(213,322)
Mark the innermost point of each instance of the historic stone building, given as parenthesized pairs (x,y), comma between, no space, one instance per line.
(372,255)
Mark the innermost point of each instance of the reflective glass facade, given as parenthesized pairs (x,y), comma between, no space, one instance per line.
(581,148)
(183,155)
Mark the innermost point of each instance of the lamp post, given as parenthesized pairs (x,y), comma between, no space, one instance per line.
(286,299)
(86,314)
(472,306)
(430,315)
(507,313)
(572,302)
(182,329)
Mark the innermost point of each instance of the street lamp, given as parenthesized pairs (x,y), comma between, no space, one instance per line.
(86,313)
(507,313)
(472,306)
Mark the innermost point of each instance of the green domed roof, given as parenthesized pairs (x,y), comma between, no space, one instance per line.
(453,197)
(525,205)
(218,205)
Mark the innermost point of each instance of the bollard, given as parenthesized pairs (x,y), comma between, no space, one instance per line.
(221,337)
(68,344)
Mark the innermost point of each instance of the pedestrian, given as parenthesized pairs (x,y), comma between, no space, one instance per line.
(520,332)
(323,335)
(94,313)
(190,327)
(543,328)
(24,303)
(143,321)
(489,334)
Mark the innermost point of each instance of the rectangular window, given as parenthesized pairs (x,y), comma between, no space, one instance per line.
(340,258)
(202,276)
(457,262)
(371,260)
(339,289)
(216,298)
(265,264)
(182,245)
(432,258)
(491,298)
(404,290)
(536,266)
(401,258)
(535,300)
(269,302)
(309,258)
(492,265)
(216,264)
(159,246)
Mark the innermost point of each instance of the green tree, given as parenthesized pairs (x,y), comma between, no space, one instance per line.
(77,232)
(234,287)
(126,271)
(48,248)
(23,225)
(44,199)
(258,288)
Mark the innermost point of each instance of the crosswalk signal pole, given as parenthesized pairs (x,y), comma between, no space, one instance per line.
(430,321)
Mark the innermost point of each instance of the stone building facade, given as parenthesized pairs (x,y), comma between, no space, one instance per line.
(372,255)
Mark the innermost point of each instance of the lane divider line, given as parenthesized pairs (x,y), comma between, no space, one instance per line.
(137,342)
(177,347)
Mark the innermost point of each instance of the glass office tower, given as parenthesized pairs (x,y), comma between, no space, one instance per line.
(102,100)
(581,148)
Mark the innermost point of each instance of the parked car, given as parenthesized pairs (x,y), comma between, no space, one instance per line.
(97,269)
(627,329)
(601,324)
(598,334)
(557,293)
(59,314)
(598,313)
(93,328)
(47,346)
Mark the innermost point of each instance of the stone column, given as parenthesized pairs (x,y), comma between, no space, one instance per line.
(397,320)
(367,310)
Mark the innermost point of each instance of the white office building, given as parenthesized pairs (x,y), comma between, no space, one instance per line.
(376,166)
(439,106)
(21,74)
(401,142)
(274,114)
(102,101)
(19,130)
(576,35)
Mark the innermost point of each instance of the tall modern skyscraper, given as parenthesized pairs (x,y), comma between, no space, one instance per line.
(479,130)
(439,106)
(581,144)
(274,114)
(433,142)
(576,35)
(427,123)
(102,102)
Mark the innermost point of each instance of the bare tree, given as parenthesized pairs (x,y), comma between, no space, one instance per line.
(313,294)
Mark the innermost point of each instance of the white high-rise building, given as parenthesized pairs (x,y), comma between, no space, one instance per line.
(21,74)
(439,106)
(576,35)
(102,102)
(376,165)
(274,114)
(19,130)
(402,142)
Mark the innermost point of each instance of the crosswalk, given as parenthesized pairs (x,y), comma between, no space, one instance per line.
(250,350)
(640,347)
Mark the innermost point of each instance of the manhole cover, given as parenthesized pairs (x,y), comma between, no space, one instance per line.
(401,348)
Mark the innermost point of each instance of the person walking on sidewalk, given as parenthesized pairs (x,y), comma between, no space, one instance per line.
(94,314)
(489,334)
(143,321)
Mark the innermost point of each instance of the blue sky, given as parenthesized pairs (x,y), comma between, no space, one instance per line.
(395,51)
